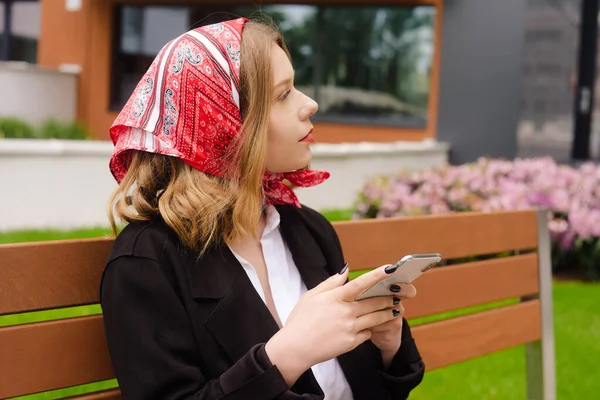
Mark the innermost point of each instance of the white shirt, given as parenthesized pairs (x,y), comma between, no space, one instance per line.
(287,287)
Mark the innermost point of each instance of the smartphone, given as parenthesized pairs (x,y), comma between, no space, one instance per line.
(408,269)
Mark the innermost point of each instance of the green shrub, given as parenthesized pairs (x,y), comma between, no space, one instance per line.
(15,128)
(53,129)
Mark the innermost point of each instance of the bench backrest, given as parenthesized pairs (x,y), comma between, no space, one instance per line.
(62,353)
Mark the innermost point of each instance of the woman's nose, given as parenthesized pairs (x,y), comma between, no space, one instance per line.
(309,109)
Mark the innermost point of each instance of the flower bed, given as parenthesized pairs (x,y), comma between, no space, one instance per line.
(572,196)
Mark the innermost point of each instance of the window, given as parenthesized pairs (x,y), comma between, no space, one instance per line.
(143,32)
(18,38)
(375,64)
(363,65)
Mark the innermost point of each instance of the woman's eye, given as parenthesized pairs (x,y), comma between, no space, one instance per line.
(285,95)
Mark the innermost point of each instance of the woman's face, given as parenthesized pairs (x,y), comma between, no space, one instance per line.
(290,129)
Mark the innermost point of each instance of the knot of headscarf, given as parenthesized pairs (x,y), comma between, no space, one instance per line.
(277,192)
(187,106)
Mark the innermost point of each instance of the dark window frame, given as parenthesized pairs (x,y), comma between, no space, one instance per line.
(5,40)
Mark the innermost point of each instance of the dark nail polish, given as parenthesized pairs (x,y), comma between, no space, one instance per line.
(396,301)
(344,269)
(390,269)
(395,288)
(395,312)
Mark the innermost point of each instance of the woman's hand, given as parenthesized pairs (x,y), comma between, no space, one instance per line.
(327,322)
(388,336)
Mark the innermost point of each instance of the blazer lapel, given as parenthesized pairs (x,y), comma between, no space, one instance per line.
(305,250)
(218,275)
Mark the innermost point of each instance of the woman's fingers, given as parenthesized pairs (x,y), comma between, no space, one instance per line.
(367,306)
(407,290)
(392,324)
(352,289)
(368,321)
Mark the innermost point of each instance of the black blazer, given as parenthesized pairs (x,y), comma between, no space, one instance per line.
(179,327)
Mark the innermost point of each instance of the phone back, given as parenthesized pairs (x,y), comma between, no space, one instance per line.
(409,268)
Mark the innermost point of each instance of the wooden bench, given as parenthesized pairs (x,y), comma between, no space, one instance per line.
(48,355)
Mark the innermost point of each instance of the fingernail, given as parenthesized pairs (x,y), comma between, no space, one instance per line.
(396,301)
(396,313)
(344,269)
(390,269)
(395,288)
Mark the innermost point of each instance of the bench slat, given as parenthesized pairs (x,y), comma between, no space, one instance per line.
(370,243)
(471,284)
(112,394)
(44,275)
(53,355)
(459,339)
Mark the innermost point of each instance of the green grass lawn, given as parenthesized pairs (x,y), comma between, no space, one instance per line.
(499,376)
(54,234)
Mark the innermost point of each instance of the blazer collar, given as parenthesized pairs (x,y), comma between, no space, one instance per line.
(219,275)
(214,274)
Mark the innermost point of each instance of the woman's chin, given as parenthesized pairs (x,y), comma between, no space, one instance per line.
(306,159)
(300,161)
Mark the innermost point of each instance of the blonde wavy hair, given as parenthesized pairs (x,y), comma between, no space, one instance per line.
(204,209)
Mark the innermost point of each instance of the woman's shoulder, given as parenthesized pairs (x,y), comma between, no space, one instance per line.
(143,259)
(316,222)
(305,213)
(145,239)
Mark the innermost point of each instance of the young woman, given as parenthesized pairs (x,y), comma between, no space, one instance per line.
(222,286)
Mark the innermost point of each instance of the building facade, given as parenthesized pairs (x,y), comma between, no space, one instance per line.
(400,70)
(369,67)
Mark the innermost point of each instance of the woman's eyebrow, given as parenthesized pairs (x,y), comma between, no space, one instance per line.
(285,81)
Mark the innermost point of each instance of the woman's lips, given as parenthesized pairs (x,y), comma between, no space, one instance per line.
(308,138)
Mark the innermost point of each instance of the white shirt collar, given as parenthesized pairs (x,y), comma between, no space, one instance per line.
(272,220)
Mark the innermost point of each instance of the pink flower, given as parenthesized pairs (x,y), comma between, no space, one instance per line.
(572,195)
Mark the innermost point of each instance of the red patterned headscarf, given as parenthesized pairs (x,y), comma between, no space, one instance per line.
(187,106)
